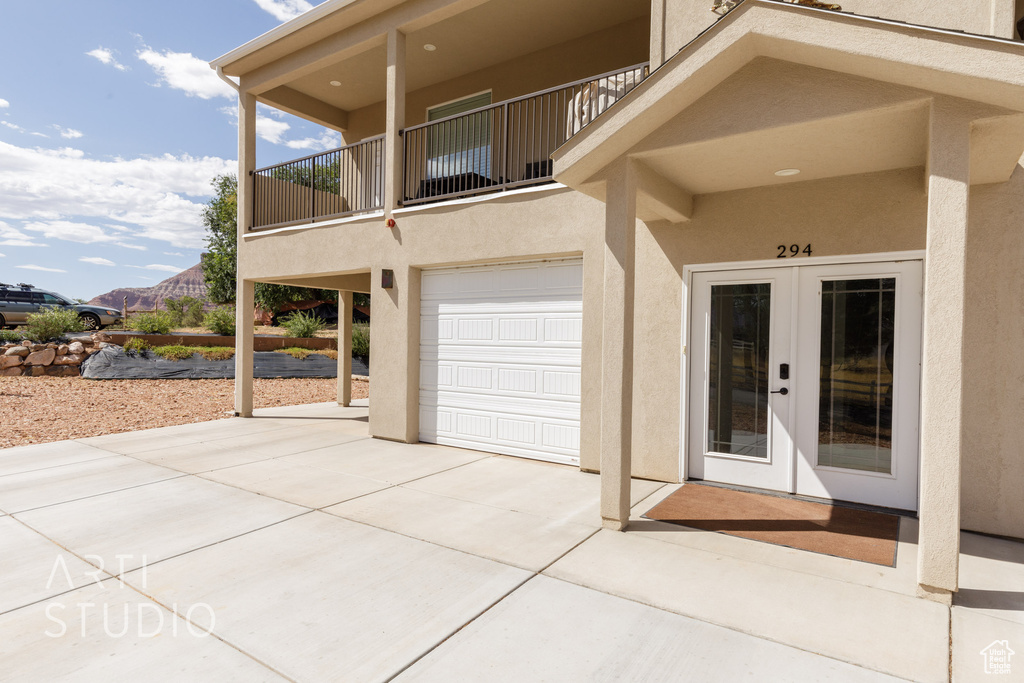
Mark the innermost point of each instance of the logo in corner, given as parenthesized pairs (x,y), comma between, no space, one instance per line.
(997,657)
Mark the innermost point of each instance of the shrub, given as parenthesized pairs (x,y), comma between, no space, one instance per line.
(221,320)
(294,352)
(361,339)
(179,352)
(216,352)
(303,324)
(186,311)
(157,322)
(136,345)
(52,324)
(11,336)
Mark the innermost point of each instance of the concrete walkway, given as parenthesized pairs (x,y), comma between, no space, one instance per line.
(293,547)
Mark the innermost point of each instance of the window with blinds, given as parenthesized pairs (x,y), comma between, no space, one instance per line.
(462,145)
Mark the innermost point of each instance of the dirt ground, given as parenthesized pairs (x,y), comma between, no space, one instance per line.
(44,409)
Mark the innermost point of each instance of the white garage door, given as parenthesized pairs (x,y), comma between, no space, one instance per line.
(500,358)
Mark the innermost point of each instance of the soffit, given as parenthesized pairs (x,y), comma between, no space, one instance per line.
(482,36)
(875,74)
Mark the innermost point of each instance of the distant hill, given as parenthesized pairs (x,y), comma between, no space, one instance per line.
(186,283)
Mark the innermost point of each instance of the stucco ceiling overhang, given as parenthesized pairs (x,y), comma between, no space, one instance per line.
(293,69)
(775,86)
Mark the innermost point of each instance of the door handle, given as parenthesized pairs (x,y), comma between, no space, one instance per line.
(782,391)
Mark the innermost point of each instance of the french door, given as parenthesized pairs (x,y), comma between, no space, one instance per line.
(805,379)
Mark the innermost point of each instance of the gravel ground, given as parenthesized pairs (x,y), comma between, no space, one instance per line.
(44,409)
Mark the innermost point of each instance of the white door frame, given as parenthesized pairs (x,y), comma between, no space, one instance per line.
(687,298)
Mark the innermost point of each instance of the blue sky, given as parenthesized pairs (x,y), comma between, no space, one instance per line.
(112,126)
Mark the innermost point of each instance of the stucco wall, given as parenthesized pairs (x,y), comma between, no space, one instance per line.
(614,48)
(877,212)
(685,19)
(992,472)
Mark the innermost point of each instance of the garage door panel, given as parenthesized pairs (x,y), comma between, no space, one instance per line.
(500,358)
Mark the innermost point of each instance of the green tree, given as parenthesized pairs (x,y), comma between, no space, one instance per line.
(220,260)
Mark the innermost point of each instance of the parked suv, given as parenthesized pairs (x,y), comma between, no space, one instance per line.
(18,301)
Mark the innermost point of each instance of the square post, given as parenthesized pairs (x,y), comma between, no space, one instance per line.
(244,338)
(943,349)
(344,348)
(617,346)
(393,147)
(395,354)
(245,289)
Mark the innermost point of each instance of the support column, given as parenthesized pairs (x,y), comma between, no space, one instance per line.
(244,289)
(344,348)
(395,350)
(393,148)
(617,347)
(244,336)
(943,350)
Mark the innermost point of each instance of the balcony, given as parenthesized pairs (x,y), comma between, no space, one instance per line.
(495,148)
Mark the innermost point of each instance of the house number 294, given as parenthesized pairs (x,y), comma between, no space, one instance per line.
(792,250)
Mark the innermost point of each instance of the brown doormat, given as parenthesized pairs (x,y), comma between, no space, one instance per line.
(828,529)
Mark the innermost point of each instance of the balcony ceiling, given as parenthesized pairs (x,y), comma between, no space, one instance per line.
(488,34)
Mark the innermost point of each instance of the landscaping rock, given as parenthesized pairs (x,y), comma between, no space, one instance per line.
(43,357)
(103,345)
(62,371)
(10,362)
(18,351)
(70,359)
(38,370)
(11,372)
(37,347)
(100,337)
(76,347)
(62,349)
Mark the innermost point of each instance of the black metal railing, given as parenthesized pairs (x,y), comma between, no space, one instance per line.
(342,182)
(505,145)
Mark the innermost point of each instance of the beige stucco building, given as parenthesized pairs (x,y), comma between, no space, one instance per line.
(773,245)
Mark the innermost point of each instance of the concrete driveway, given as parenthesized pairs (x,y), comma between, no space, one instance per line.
(293,547)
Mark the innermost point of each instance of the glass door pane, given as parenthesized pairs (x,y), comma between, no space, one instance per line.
(856,379)
(738,373)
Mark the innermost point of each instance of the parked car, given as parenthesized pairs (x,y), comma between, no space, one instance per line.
(17,302)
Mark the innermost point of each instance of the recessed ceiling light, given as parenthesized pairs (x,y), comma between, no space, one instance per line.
(429,47)
(335,83)
(787,171)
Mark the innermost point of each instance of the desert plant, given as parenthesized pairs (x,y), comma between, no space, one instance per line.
(186,311)
(221,320)
(136,345)
(11,336)
(361,339)
(52,324)
(180,352)
(174,352)
(295,352)
(157,322)
(303,324)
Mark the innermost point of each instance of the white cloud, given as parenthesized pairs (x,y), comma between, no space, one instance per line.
(12,126)
(69,133)
(44,269)
(3,255)
(59,191)
(327,140)
(273,131)
(284,10)
(4,104)
(97,261)
(106,56)
(42,135)
(173,253)
(9,237)
(183,71)
(161,267)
